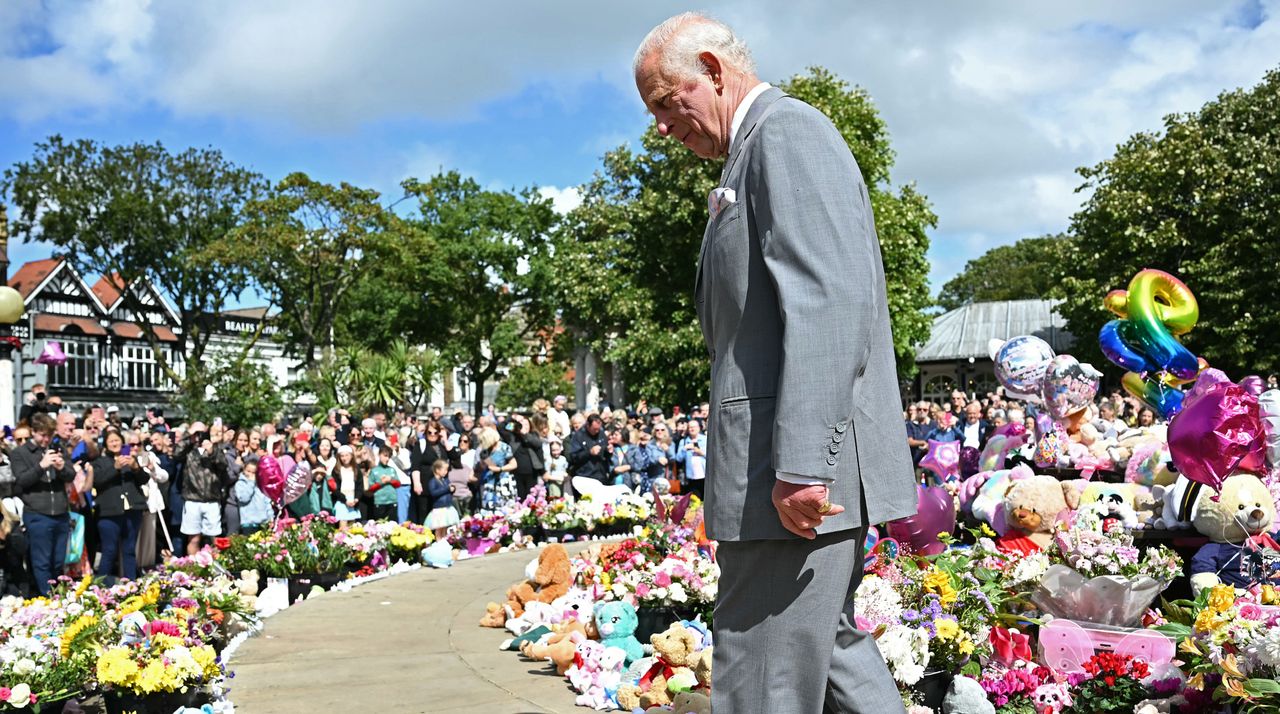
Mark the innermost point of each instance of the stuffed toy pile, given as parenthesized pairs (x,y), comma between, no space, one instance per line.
(550,579)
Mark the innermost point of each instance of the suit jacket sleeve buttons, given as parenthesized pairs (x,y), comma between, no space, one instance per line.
(831,460)
(834,449)
(838,437)
(841,426)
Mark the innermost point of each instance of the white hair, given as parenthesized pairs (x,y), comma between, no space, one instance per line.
(680,39)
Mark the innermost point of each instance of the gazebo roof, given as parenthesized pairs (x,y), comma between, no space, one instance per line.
(965,331)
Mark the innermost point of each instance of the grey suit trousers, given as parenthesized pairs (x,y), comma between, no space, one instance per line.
(784,636)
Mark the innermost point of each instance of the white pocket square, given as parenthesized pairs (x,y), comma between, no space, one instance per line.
(719,199)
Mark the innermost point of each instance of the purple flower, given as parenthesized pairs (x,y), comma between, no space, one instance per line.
(910,615)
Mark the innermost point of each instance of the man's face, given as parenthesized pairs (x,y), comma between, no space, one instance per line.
(560,404)
(66,425)
(690,109)
(694,429)
(973,413)
(380,420)
(368,430)
(593,428)
(436,412)
(467,422)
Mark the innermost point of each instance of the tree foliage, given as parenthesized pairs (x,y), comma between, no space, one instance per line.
(627,257)
(1198,200)
(354,375)
(534,379)
(143,214)
(304,245)
(241,391)
(478,263)
(1031,268)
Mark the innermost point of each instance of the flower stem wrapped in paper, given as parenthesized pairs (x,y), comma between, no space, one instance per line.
(1101,577)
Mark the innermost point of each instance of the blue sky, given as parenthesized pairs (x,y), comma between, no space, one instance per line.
(992,105)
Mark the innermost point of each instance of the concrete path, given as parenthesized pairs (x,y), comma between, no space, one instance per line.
(408,643)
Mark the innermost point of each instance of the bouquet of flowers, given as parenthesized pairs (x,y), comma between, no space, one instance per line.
(1230,645)
(407,541)
(1101,577)
(563,515)
(492,528)
(683,580)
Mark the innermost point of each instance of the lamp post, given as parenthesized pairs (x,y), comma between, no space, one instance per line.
(11,309)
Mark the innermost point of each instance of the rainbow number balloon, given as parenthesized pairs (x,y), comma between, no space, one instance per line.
(1152,313)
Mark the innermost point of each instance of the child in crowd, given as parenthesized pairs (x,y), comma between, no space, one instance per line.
(382,484)
(442,513)
(255,507)
(348,482)
(557,470)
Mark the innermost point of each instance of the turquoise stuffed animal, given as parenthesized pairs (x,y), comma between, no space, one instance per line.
(616,622)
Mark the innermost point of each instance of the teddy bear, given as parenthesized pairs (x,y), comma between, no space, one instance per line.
(1179,501)
(1051,698)
(686,703)
(1109,504)
(1239,525)
(982,495)
(1148,504)
(551,578)
(595,674)
(966,696)
(616,622)
(677,655)
(561,652)
(1033,506)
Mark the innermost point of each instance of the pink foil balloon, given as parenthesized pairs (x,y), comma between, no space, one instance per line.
(1218,432)
(943,459)
(935,514)
(296,483)
(270,478)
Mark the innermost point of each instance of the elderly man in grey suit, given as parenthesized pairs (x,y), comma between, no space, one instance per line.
(806,444)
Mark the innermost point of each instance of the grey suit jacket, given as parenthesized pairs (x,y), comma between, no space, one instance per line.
(791,298)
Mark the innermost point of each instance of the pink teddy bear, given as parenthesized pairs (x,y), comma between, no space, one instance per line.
(1051,698)
(600,694)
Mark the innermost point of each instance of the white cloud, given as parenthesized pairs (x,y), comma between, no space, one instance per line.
(563,200)
(992,105)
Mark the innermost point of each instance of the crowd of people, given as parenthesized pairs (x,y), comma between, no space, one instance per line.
(972,421)
(96,492)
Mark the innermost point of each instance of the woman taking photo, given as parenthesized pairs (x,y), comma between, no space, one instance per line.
(117,478)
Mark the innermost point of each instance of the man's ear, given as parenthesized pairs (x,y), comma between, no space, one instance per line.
(712,68)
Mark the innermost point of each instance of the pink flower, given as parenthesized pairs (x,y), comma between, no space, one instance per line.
(662,580)
(279,558)
(1251,611)
(642,590)
(4,694)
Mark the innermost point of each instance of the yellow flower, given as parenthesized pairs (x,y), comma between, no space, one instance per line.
(207,659)
(948,595)
(986,531)
(130,606)
(154,678)
(1269,595)
(1222,597)
(1230,667)
(966,646)
(80,625)
(935,579)
(117,667)
(84,585)
(1196,682)
(1234,687)
(152,596)
(1190,647)
(1206,621)
(947,629)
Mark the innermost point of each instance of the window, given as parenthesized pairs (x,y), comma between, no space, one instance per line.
(81,367)
(938,389)
(139,369)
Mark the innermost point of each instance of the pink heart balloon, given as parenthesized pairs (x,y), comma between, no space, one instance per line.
(942,458)
(1219,431)
(270,478)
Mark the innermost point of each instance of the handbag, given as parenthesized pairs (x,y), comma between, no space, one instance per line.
(75,540)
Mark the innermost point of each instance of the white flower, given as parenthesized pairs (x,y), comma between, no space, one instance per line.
(676,593)
(1030,569)
(20,696)
(24,667)
(619,590)
(1267,648)
(74,609)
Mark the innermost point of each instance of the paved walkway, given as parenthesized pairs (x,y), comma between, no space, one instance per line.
(408,643)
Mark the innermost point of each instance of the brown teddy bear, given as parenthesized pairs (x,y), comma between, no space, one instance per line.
(561,652)
(679,658)
(550,580)
(561,632)
(1032,508)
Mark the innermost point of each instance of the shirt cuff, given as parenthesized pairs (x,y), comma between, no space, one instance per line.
(803,480)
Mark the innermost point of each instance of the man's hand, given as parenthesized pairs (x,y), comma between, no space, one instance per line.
(801,508)
(595,450)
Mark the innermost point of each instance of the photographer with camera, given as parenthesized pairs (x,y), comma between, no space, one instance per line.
(203,485)
(35,402)
(42,474)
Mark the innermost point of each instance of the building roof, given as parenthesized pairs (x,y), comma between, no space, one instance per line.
(965,331)
(32,274)
(253,313)
(59,323)
(134,331)
(108,289)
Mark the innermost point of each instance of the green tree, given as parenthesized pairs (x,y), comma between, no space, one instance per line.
(304,244)
(141,213)
(241,391)
(1030,268)
(626,259)
(1198,200)
(526,383)
(479,265)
